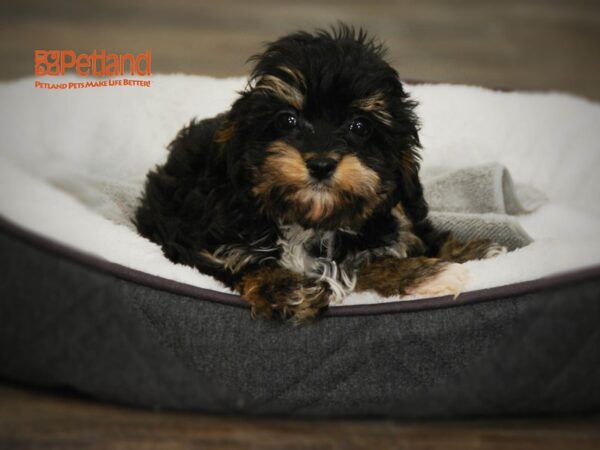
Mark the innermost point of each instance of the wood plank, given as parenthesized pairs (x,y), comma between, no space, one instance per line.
(547,45)
(38,419)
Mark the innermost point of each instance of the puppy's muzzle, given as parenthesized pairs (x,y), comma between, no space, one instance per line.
(321,168)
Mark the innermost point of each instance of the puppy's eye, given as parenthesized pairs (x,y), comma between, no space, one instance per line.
(360,127)
(286,121)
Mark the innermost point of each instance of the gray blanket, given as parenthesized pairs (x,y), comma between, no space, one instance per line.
(480,202)
(474,203)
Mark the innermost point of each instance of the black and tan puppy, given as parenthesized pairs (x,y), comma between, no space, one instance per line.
(308,187)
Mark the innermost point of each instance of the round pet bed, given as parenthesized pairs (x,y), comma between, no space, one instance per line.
(87,304)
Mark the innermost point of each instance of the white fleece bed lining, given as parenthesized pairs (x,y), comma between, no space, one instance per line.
(73,162)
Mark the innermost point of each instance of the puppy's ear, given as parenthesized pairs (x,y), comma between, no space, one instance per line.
(225,131)
(225,145)
(409,191)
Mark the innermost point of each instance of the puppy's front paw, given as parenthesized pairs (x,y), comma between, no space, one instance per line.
(279,293)
(305,301)
(450,280)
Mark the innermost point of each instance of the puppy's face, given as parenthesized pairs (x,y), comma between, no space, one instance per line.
(324,133)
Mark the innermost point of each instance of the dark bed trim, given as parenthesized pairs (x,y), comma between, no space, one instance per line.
(164,284)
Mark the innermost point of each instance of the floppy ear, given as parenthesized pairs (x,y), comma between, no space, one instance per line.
(409,191)
(409,194)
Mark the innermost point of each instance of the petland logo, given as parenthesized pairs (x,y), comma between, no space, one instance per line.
(96,64)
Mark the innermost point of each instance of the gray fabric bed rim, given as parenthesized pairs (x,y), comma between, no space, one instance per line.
(73,321)
(163,284)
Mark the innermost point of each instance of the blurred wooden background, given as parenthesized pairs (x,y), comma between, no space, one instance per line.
(38,420)
(533,44)
(528,44)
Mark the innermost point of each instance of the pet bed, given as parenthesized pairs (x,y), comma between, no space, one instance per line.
(87,304)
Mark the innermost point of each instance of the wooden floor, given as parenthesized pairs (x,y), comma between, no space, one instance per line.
(31,420)
(534,44)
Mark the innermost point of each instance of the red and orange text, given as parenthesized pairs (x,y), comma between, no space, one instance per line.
(98,63)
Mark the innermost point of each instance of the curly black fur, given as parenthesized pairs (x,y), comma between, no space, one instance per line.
(234,197)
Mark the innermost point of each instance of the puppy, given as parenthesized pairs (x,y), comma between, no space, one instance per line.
(308,188)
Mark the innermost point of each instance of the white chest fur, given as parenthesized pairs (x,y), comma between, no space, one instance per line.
(295,256)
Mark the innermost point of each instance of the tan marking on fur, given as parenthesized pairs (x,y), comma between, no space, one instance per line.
(277,291)
(225,133)
(376,105)
(249,288)
(400,215)
(411,276)
(281,89)
(350,176)
(295,75)
(409,242)
(451,280)
(457,251)
(284,166)
(353,176)
(410,164)
(320,203)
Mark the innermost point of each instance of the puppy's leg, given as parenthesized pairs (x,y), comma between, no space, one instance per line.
(278,292)
(412,276)
(456,251)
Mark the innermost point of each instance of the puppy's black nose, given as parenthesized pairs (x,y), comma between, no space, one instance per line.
(321,168)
